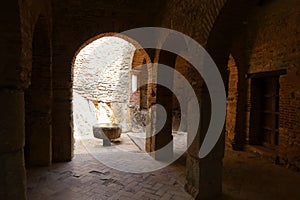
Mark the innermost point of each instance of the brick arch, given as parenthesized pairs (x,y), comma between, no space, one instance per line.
(223,49)
(195,18)
(139,55)
(227,26)
(162,95)
(74,23)
(62,83)
(212,30)
(68,40)
(31,15)
(141,62)
(140,66)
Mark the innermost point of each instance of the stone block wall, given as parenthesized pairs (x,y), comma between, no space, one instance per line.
(102,70)
(102,74)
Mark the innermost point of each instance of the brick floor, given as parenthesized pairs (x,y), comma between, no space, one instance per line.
(87,178)
(250,176)
(245,176)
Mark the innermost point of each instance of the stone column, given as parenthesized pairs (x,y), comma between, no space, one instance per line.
(12,166)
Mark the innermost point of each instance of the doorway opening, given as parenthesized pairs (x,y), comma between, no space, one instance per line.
(107,93)
(264,119)
(269,101)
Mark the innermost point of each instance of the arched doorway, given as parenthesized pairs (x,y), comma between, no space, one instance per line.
(107,73)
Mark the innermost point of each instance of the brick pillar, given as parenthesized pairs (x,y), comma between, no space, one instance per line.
(164,97)
(12,166)
(62,126)
(240,122)
(38,99)
(164,136)
(204,176)
(38,147)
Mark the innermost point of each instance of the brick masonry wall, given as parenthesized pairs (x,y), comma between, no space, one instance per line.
(192,17)
(196,19)
(18,23)
(75,22)
(180,118)
(272,42)
(232,99)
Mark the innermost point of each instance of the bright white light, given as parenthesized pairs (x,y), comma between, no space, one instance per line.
(134,83)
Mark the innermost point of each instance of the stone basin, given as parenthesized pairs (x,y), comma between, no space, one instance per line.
(107,132)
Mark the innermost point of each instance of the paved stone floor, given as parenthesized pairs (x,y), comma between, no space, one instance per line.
(245,176)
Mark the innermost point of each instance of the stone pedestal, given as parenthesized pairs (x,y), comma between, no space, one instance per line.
(107,132)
